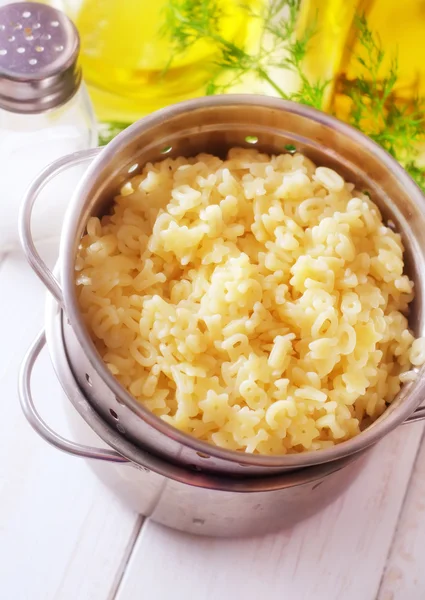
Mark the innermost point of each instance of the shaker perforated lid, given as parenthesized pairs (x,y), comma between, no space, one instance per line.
(39,48)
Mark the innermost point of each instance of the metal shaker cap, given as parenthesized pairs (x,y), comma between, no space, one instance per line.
(39,48)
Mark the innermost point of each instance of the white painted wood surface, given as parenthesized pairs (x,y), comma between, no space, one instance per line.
(405,572)
(63,536)
(320,558)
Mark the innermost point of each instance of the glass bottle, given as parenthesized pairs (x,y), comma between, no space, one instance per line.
(45,112)
(335,46)
(130,61)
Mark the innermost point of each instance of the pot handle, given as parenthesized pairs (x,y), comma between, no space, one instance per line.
(416,416)
(37,423)
(31,195)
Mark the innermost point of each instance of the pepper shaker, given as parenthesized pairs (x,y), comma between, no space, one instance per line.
(45,112)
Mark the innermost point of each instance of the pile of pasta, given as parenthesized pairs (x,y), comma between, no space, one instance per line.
(258,302)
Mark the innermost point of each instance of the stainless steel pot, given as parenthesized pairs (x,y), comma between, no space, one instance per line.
(214,124)
(192,501)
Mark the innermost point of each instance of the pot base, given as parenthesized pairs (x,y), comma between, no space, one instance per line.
(209,512)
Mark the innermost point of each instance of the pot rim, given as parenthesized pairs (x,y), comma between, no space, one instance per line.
(382,426)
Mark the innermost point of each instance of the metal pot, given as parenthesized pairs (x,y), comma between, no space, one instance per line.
(214,124)
(176,496)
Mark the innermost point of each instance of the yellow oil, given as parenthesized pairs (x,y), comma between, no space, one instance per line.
(124,56)
(401,28)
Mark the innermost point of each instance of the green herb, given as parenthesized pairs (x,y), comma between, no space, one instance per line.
(290,148)
(166,150)
(107,131)
(374,108)
(417,173)
(187,22)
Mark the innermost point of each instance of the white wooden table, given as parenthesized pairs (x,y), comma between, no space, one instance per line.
(63,536)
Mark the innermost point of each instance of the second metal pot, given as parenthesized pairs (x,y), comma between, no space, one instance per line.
(181,498)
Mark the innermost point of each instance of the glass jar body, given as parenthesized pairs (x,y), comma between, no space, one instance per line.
(28,143)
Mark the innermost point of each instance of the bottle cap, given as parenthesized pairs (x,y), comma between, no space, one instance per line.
(39,48)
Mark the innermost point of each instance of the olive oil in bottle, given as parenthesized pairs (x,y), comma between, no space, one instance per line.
(335,48)
(129,59)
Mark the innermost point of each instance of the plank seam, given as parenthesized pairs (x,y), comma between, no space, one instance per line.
(3,257)
(115,588)
(400,513)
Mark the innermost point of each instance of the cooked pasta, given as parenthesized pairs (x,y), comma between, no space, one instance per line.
(258,302)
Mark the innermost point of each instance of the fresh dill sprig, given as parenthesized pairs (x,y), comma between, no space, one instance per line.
(108,130)
(373,105)
(187,22)
(375,110)
(417,173)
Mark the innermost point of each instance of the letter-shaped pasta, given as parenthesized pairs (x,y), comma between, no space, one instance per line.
(330,179)
(255,302)
(347,338)
(417,352)
(235,345)
(143,352)
(282,346)
(326,324)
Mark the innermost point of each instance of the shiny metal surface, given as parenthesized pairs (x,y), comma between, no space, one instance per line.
(215,124)
(24,223)
(200,504)
(185,499)
(416,416)
(39,48)
(39,425)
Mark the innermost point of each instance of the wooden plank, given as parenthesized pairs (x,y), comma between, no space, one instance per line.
(63,535)
(404,577)
(339,553)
